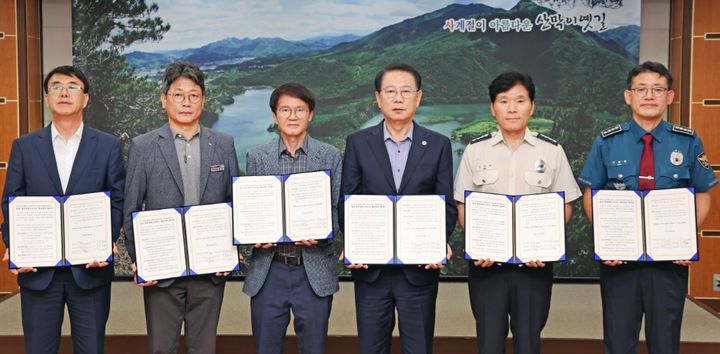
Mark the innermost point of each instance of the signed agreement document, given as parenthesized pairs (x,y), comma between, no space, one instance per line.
(515,228)
(403,229)
(60,231)
(282,208)
(186,241)
(653,225)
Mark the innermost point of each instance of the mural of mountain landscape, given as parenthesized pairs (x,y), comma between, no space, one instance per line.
(579,77)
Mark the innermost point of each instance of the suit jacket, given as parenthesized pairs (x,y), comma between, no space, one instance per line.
(154,180)
(366,170)
(320,260)
(32,171)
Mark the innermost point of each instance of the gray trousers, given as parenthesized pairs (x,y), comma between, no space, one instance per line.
(195,301)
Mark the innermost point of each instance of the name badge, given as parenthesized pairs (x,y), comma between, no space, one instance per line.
(217,168)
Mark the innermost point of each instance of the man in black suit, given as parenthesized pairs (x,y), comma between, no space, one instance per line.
(395,157)
(67,157)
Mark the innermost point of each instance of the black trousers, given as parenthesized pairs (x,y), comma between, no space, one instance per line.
(655,289)
(521,293)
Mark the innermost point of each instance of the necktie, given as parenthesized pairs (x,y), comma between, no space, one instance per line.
(647,164)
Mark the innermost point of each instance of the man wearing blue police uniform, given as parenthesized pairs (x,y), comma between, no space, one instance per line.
(646,153)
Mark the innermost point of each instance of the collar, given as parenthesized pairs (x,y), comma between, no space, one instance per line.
(658,133)
(497,137)
(178,135)
(303,147)
(54,133)
(386,132)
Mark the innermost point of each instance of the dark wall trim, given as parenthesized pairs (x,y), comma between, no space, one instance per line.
(22,64)
(686,73)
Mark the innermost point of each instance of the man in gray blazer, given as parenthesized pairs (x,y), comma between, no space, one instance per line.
(301,277)
(180,164)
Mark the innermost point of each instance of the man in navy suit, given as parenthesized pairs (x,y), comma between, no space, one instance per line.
(65,158)
(395,157)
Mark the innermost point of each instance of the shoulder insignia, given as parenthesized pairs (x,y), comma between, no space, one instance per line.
(703,160)
(546,138)
(611,131)
(481,138)
(683,130)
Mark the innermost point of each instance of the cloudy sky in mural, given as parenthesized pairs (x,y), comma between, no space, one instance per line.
(195,23)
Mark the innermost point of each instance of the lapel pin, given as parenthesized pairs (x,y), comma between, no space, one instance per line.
(424,142)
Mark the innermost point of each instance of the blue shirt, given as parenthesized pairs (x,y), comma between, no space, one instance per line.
(397,152)
(680,160)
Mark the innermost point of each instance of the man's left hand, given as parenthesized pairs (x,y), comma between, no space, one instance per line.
(439,265)
(99,264)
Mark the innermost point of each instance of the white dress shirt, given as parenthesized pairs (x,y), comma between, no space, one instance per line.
(65,151)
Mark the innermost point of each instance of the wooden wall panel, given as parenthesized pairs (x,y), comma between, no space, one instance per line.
(34,69)
(676,46)
(35,111)
(706,76)
(706,121)
(705,15)
(676,11)
(7,17)
(32,9)
(9,77)
(701,273)
(8,130)
(704,80)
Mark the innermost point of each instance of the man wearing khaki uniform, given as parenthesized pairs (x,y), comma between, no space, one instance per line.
(513,161)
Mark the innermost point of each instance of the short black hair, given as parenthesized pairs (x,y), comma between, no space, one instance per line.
(184,69)
(650,67)
(507,80)
(292,89)
(67,70)
(397,67)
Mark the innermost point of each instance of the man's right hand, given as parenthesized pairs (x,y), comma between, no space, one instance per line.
(142,285)
(352,265)
(6,257)
(485,263)
(613,263)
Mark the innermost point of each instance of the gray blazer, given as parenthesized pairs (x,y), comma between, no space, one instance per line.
(154,180)
(320,260)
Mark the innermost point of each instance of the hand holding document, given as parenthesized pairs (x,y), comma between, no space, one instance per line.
(514,229)
(654,225)
(60,231)
(282,208)
(383,229)
(179,242)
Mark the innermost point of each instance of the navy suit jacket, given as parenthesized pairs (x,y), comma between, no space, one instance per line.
(32,171)
(429,168)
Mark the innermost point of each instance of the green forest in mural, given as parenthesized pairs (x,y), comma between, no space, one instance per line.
(579,77)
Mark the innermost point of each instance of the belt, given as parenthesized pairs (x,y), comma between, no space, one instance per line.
(288,259)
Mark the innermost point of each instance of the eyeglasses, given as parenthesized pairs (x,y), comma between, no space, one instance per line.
(391,92)
(286,112)
(71,88)
(179,97)
(643,91)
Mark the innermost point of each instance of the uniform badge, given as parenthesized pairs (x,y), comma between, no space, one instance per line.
(703,160)
(539,166)
(676,158)
(619,186)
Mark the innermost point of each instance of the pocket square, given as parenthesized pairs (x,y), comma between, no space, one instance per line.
(217,168)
